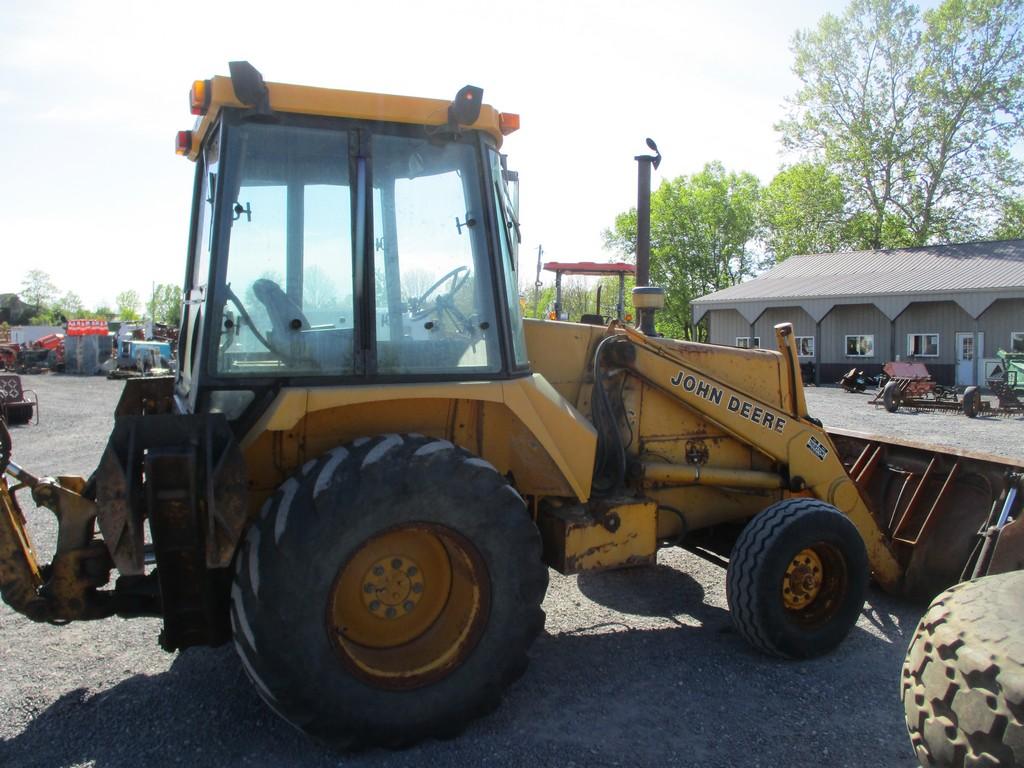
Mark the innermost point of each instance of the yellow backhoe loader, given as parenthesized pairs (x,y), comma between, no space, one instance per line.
(368,460)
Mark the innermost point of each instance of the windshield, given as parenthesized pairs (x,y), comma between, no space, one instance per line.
(289,301)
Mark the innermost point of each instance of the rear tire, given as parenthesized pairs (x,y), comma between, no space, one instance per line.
(963,677)
(891,397)
(388,593)
(797,578)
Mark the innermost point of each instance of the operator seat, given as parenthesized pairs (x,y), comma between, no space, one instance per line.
(287,320)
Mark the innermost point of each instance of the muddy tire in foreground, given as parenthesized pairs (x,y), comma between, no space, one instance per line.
(963,677)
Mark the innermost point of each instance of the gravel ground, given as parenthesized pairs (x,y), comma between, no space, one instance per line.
(997,435)
(637,667)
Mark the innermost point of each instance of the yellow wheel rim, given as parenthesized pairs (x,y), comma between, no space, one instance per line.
(408,605)
(803,579)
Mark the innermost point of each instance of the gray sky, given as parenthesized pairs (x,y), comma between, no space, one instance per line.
(92,94)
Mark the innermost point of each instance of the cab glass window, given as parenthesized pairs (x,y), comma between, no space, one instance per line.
(434,308)
(286,306)
(508,235)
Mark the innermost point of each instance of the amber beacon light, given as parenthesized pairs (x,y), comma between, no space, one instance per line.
(508,122)
(199,97)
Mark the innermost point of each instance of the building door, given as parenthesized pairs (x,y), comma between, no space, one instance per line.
(965,354)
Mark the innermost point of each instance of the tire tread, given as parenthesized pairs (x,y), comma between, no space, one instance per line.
(962,682)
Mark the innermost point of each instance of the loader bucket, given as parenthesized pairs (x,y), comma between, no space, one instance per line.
(950,515)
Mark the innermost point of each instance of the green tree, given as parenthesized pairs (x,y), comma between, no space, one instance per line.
(127,305)
(610,296)
(803,210)
(38,289)
(703,229)
(915,113)
(1011,221)
(70,304)
(165,305)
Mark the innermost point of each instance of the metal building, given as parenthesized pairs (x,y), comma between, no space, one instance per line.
(951,307)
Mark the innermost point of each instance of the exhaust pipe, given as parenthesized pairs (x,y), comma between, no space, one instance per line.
(646,299)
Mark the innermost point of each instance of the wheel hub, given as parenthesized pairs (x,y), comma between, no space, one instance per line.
(802,581)
(392,587)
(407,605)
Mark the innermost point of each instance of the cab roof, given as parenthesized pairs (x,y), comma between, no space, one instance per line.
(331,102)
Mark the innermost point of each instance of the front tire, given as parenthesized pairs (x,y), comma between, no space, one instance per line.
(797,578)
(388,593)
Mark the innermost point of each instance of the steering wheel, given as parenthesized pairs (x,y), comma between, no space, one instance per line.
(457,278)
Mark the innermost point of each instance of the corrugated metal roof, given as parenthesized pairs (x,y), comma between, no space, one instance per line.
(931,269)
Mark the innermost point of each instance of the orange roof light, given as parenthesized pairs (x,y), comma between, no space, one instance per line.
(199,97)
(508,122)
(183,143)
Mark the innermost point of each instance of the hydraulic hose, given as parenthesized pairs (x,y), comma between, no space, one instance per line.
(610,449)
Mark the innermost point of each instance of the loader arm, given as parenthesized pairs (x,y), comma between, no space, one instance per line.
(806,457)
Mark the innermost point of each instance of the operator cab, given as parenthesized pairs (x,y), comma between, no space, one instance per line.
(331,249)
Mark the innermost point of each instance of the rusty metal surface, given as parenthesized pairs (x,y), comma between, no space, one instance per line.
(149,395)
(1009,550)
(72,589)
(20,578)
(931,502)
(193,598)
(65,590)
(120,492)
(601,535)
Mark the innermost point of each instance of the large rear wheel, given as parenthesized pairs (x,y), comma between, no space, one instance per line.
(797,578)
(389,592)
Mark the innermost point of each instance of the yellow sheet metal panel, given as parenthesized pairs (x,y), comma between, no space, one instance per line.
(506,442)
(331,102)
(563,353)
(610,535)
(804,449)
(705,506)
(758,372)
(568,437)
(522,426)
(659,472)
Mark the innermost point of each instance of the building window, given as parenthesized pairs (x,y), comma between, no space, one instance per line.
(922,345)
(860,346)
(744,342)
(805,346)
(1017,341)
